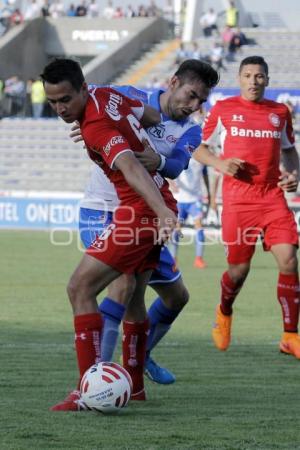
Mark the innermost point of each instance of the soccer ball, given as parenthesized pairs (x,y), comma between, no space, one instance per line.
(106,387)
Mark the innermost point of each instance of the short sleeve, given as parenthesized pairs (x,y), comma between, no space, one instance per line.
(212,126)
(106,140)
(136,106)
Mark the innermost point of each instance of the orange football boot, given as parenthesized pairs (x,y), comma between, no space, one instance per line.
(199,262)
(221,332)
(290,344)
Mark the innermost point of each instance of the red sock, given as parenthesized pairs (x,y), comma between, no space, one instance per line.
(88,329)
(135,336)
(288,297)
(229,291)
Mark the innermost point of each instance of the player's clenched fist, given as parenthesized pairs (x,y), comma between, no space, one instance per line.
(167,221)
(230,166)
(75,133)
(289,181)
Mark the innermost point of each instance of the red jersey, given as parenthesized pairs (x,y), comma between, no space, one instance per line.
(255,133)
(110,128)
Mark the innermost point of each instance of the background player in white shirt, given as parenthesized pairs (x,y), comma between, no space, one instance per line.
(187,189)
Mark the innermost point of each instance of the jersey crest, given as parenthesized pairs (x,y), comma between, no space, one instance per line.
(158,131)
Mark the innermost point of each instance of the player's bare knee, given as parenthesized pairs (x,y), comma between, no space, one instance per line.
(77,288)
(72,289)
(176,298)
(122,289)
(122,293)
(289,265)
(128,291)
(184,297)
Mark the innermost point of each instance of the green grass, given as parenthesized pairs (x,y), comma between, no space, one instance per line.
(246,398)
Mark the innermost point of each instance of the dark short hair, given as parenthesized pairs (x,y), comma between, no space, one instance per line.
(259,60)
(195,69)
(63,69)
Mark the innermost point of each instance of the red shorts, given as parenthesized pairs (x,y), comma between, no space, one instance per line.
(128,245)
(240,231)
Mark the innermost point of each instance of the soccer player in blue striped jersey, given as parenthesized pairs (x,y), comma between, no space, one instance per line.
(174,138)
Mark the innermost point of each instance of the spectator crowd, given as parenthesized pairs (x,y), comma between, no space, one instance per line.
(225,41)
(18,98)
(11,16)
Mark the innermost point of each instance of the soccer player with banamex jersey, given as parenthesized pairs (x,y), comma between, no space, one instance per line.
(174,139)
(111,129)
(255,133)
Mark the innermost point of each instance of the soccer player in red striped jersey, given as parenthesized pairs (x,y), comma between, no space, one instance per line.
(145,217)
(254,133)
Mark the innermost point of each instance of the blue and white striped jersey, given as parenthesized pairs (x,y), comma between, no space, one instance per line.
(175,140)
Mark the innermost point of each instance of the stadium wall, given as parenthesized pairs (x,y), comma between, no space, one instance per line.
(112,44)
(22,51)
(39,211)
(104,67)
(58,211)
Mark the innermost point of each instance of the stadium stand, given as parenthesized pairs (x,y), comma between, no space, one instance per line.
(281,48)
(38,155)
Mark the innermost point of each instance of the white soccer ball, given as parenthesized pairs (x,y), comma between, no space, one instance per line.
(106,387)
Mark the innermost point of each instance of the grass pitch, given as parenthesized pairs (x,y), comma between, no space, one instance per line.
(244,399)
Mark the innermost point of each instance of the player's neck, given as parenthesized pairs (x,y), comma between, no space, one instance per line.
(256,101)
(163,103)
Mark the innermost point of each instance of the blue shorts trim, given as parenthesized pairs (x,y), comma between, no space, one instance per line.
(193,209)
(167,271)
(91,223)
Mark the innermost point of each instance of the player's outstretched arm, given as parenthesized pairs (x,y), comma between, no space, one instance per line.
(139,179)
(229,166)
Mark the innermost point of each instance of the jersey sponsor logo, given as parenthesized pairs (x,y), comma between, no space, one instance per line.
(247,132)
(157,131)
(172,139)
(189,148)
(238,118)
(112,107)
(114,141)
(274,119)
